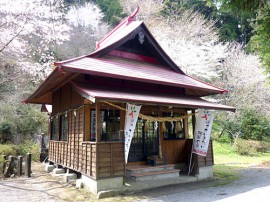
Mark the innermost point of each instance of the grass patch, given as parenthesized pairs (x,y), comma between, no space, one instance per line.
(224,154)
(226,174)
(228,163)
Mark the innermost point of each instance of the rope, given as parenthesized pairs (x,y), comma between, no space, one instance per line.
(151,118)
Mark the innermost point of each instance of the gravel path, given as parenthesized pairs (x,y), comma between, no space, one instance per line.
(41,187)
(254,185)
(24,189)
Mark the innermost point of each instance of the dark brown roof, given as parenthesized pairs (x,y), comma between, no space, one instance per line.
(121,68)
(95,92)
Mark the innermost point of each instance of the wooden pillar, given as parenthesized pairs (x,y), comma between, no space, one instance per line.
(186,126)
(193,121)
(97,121)
(97,136)
(87,130)
(122,124)
(160,135)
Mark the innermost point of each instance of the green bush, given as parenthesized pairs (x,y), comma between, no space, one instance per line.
(246,123)
(8,149)
(254,125)
(243,148)
(30,146)
(21,122)
(1,159)
(251,147)
(21,150)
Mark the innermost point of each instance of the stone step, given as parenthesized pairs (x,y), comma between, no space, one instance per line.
(154,175)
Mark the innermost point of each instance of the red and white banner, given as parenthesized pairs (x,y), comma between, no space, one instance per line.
(132,114)
(202,133)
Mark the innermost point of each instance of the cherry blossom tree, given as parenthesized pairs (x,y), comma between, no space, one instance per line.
(190,39)
(23,20)
(88,27)
(244,77)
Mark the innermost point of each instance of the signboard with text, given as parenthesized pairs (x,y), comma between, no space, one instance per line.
(202,133)
(132,114)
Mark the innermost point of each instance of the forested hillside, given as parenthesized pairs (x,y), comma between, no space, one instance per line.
(211,40)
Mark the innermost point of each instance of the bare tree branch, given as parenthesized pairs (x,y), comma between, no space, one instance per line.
(18,33)
(7,21)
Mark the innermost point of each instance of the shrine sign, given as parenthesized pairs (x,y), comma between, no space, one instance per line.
(202,133)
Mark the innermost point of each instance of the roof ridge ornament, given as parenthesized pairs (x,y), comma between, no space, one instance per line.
(126,22)
(133,15)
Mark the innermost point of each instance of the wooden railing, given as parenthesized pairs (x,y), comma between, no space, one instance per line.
(97,160)
(110,159)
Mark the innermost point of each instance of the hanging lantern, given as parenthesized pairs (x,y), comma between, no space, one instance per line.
(164,128)
(146,126)
(178,126)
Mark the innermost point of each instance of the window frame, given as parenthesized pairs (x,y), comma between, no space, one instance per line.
(105,115)
(63,137)
(54,128)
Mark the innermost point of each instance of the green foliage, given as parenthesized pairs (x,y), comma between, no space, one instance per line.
(8,149)
(251,147)
(254,125)
(243,147)
(112,10)
(5,131)
(248,124)
(30,146)
(246,5)
(234,25)
(260,42)
(20,122)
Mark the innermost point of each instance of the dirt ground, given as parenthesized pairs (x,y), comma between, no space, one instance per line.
(44,187)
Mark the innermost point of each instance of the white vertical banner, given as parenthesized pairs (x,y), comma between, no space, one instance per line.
(202,133)
(132,114)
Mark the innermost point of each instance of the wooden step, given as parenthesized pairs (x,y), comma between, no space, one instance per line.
(146,173)
(150,168)
(154,175)
(155,160)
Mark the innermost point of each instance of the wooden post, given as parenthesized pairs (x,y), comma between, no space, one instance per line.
(193,121)
(160,135)
(193,128)
(87,130)
(97,121)
(20,165)
(186,126)
(97,136)
(122,125)
(28,165)
(4,164)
